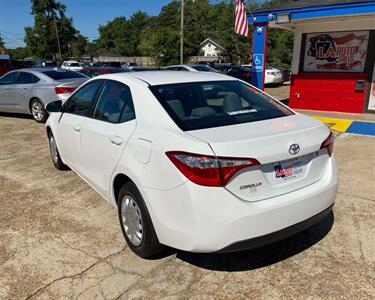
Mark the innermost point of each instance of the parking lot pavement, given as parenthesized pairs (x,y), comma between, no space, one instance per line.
(59,239)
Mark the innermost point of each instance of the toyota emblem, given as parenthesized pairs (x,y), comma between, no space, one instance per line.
(294,149)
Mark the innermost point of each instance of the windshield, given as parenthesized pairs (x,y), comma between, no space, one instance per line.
(74,65)
(60,74)
(202,105)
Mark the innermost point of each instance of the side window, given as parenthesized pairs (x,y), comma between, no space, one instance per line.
(25,78)
(8,78)
(115,103)
(80,102)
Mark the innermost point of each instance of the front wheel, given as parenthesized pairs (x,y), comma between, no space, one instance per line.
(58,163)
(136,224)
(38,111)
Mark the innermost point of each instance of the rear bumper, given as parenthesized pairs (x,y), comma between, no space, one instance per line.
(205,219)
(277,235)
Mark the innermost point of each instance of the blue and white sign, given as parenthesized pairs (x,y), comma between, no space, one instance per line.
(258,62)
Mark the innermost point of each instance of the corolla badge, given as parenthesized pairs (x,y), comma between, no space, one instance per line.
(294,149)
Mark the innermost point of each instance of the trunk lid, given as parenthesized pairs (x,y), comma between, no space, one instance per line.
(268,142)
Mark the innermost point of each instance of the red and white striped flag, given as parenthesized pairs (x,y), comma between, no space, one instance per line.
(241,26)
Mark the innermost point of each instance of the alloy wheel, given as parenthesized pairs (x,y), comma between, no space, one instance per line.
(37,111)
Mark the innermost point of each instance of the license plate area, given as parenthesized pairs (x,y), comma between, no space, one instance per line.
(288,170)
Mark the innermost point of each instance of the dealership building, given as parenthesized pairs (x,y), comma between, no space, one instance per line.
(333,54)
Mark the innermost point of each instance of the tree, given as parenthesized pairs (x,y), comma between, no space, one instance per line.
(122,36)
(41,38)
(79,46)
(2,44)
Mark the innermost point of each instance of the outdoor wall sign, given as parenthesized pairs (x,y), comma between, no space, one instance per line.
(336,51)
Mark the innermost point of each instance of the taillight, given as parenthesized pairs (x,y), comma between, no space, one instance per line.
(328,144)
(208,170)
(64,89)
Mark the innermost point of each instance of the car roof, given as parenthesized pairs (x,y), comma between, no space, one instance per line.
(168,77)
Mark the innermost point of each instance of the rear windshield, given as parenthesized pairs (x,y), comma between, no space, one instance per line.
(57,75)
(74,64)
(202,105)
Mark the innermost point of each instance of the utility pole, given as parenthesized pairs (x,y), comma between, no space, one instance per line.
(57,36)
(182,33)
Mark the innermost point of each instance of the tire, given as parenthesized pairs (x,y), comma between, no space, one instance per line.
(38,111)
(136,224)
(55,155)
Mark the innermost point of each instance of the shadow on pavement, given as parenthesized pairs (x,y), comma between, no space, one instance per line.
(16,116)
(264,256)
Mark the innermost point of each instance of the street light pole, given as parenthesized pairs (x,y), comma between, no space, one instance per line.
(182,33)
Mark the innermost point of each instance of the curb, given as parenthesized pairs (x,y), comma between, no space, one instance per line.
(349,126)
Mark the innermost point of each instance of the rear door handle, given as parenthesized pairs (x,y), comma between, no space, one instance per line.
(115,139)
(77,128)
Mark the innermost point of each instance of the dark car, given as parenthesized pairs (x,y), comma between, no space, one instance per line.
(138,69)
(95,71)
(235,71)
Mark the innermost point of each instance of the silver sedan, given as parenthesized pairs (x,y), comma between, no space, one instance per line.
(28,91)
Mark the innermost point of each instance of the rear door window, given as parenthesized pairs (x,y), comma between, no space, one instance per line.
(115,104)
(202,105)
(26,78)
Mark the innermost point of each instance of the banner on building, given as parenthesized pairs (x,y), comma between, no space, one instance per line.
(336,51)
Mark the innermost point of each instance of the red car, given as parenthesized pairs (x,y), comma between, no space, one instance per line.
(95,71)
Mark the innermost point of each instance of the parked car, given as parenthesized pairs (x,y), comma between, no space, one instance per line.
(191,68)
(45,63)
(285,72)
(28,91)
(235,71)
(139,69)
(271,76)
(200,162)
(93,71)
(129,65)
(72,65)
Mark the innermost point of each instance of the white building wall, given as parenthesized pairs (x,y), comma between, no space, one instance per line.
(210,51)
(327,25)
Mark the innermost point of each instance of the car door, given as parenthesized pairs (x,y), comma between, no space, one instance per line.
(6,92)
(105,135)
(22,91)
(74,113)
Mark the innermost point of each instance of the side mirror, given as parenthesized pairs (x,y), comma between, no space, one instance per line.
(54,106)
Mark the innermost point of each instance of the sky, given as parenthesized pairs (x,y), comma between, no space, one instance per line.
(87,15)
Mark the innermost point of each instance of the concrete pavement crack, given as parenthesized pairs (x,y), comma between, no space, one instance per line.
(43,288)
(356,196)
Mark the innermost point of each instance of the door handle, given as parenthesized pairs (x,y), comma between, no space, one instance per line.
(77,128)
(115,139)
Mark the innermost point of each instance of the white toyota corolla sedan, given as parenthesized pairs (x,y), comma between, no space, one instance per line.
(200,162)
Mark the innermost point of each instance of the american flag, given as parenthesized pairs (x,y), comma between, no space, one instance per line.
(241,26)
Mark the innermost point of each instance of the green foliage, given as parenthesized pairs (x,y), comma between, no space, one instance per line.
(2,44)
(19,53)
(157,36)
(41,38)
(122,36)
(280,46)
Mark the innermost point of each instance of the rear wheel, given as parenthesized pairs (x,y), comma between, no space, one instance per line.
(38,111)
(56,159)
(136,224)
